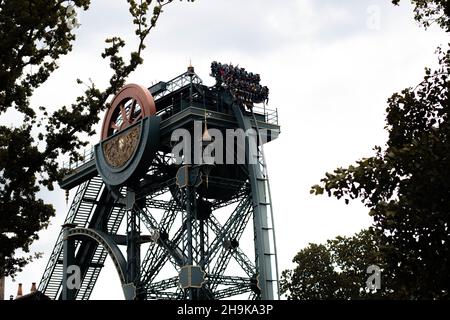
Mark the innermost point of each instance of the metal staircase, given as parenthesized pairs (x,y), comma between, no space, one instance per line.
(81,213)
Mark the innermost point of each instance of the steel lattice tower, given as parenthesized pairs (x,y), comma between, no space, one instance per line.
(188,218)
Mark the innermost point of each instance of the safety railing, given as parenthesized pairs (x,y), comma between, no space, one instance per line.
(87,155)
(270,115)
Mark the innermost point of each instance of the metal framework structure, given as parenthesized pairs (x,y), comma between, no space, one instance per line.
(181,241)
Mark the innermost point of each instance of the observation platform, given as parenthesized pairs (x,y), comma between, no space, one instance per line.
(180,102)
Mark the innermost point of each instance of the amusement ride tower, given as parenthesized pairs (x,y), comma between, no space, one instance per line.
(184,220)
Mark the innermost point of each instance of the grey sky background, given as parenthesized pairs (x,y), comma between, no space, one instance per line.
(330,67)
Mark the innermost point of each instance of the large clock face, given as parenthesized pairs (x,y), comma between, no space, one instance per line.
(131,104)
(121,148)
(130,137)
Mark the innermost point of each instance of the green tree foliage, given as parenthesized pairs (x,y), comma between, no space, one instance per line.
(34,34)
(406,187)
(430,12)
(336,270)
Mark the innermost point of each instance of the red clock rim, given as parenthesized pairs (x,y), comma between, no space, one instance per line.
(130,91)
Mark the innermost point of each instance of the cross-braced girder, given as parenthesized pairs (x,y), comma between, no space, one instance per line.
(213,257)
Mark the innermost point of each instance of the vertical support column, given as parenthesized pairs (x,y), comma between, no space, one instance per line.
(2,288)
(68,291)
(191,276)
(189,193)
(2,278)
(189,225)
(266,278)
(202,243)
(133,244)
(190,260)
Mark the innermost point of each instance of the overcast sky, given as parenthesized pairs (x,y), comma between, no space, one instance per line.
(330,67)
